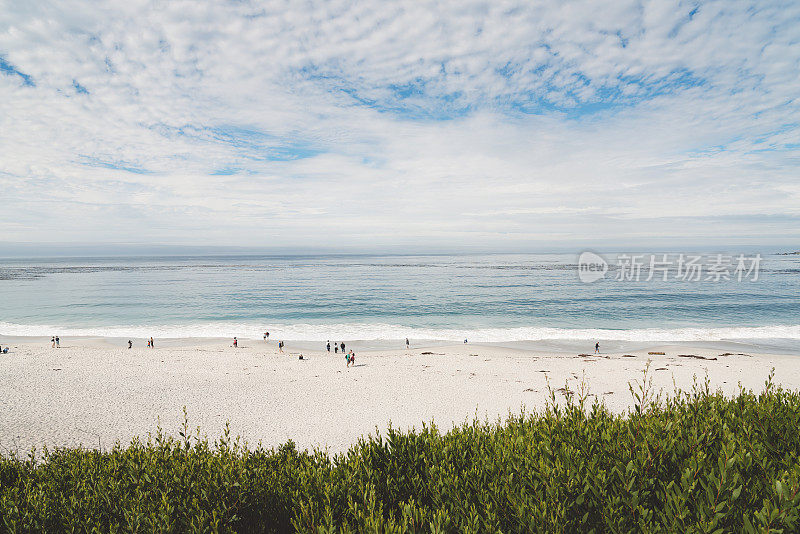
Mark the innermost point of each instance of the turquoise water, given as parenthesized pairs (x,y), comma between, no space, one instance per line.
(482,297)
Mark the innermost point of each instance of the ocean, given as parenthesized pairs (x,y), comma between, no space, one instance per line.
(483,298)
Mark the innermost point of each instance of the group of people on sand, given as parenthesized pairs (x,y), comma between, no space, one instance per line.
(3,350)
(55,342)
(336,347)
(280,343)
(350,356)
(150,343)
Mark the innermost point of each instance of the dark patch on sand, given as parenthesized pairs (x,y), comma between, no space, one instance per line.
(695,356)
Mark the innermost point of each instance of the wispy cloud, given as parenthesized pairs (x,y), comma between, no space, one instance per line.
(494,123)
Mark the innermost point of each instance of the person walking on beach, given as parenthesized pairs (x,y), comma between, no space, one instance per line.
(148,343)
(280,346)
(53,341)
(407,347)
(335,348)
(152,345)
(235,343)
(328,346)
(352,358)
(597,348)
(130,343)
(342,346)
(58,343)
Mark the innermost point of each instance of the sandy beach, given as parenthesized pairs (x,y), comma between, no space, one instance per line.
(95,392)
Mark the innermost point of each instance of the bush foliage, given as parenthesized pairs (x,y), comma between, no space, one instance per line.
(694,462)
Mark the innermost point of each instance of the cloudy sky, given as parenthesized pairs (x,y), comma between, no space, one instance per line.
(502,124)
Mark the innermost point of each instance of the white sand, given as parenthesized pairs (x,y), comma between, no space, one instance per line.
(94,392)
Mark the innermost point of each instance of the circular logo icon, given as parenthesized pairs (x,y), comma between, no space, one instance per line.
(591,267)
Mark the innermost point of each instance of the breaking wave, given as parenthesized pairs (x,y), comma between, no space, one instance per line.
(379,331)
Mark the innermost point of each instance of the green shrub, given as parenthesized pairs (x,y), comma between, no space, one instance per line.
(693,462)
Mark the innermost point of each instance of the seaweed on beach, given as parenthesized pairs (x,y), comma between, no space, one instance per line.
(693,461)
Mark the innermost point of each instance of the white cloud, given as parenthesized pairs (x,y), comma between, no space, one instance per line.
(499,123)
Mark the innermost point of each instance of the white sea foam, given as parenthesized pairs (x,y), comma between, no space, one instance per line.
(378,331)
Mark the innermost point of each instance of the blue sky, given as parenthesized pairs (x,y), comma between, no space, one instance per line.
(498,125)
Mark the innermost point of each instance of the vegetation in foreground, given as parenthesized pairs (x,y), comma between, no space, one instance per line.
(693,462)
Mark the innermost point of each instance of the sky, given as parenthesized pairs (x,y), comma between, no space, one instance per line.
(346,125)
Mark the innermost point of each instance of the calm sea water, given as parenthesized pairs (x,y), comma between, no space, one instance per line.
(482,297)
